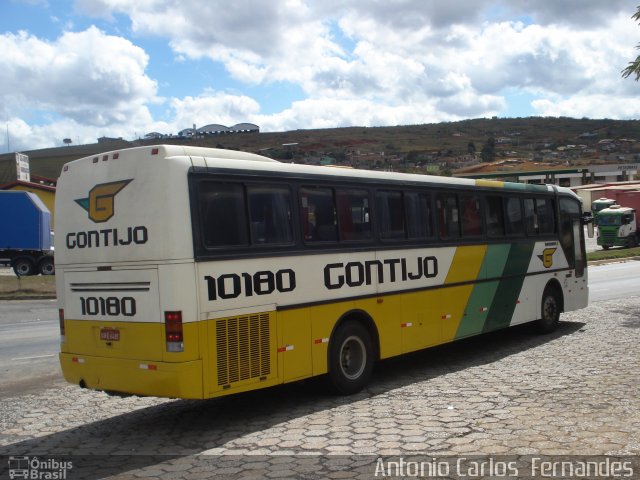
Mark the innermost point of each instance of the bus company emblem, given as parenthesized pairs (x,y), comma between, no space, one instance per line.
(100,202)
(547,257)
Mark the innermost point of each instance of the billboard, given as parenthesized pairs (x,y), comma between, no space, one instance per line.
(22,167)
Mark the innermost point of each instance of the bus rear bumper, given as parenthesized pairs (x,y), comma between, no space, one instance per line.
(138,377)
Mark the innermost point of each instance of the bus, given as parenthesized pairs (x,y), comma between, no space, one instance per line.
(191,272)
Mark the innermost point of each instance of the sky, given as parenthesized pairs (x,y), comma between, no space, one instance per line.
(85,69)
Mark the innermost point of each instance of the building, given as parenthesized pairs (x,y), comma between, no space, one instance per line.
(564,177)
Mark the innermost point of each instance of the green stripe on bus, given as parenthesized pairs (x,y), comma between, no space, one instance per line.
(483,294)
(509,287)
(529,187)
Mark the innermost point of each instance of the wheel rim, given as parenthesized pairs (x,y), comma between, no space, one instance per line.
(549,308)
(47,269)
(23,268)
(353,357)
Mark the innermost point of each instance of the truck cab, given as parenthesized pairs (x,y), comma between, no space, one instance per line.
(617,227)
(601,204)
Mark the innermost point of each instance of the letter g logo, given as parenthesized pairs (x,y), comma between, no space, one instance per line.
(547,257)
(100,203)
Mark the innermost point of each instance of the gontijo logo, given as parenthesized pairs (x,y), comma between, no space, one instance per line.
(101,200)
(547,257)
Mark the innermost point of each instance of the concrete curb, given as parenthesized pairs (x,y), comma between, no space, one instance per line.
(613,260)
(27,297)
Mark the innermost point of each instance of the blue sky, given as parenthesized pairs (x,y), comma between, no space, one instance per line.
(122,68)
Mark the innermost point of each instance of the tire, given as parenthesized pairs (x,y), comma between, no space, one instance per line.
(46,266)
(23,267)
(605,247)
(633,242)
(351,358)
(550,310)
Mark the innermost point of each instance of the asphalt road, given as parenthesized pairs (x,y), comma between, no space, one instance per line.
(29,331)
(614,280)
(29,344)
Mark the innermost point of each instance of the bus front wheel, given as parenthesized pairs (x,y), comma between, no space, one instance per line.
(350,358)
(550,310)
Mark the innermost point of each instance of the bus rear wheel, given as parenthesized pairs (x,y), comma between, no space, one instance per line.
(350,358)
(550,310)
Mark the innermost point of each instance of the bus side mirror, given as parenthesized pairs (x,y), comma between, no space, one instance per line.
(588,220)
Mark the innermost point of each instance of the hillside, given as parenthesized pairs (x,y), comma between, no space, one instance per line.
(429,147)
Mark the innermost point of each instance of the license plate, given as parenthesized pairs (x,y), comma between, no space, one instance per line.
(109,334)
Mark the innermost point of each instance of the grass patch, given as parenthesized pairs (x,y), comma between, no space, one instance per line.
(37,285)
(613,254)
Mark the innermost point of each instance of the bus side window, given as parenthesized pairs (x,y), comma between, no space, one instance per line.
(472,225)
(419,216)
(530,217)
(514,221)
(223,214)
(270,214)
(448,215)
(494,216)
(390,215)
(353,214)
(546,215)
(318,215)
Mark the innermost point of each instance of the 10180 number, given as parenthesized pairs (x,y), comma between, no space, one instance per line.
(108,306)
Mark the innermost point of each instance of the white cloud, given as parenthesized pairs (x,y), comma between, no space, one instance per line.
(589,106)
(365,62)
(89,77)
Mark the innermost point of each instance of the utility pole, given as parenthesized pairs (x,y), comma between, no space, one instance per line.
(8,143)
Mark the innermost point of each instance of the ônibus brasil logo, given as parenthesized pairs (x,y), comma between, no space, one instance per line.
(100,202)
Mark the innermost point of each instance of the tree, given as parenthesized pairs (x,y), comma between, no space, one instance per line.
(634,67)
(488,153)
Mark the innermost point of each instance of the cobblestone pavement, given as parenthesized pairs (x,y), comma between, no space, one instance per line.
(574,392)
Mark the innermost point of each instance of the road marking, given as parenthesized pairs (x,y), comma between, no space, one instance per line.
(33,358)
(25,324)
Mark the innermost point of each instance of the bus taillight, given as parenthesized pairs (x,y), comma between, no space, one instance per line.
(173,330)
(61,319)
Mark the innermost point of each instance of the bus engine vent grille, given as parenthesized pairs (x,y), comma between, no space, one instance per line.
(243,348)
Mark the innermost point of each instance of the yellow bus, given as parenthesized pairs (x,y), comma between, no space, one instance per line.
(194,273)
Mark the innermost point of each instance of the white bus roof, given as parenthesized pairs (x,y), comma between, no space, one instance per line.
(218,159)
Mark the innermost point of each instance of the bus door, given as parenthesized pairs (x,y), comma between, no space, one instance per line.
(572,235)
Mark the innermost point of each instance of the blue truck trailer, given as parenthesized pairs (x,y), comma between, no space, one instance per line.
(25,233)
